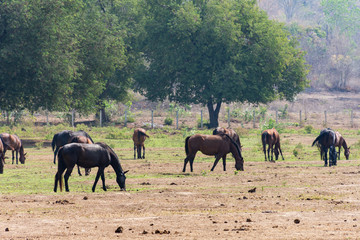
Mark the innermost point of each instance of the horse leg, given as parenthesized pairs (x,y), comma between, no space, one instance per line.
(139,151)
(268,152)
(272,153)
(87,171)
(103,179)
(325,157)
(143,152)
(98,174)
(17,159)
(66,178)
(58,176)
(224,162)
(264,149)
(278,146)
(134,151)
(339,152)
(215,162)
(12,157)
(56,151)
(79,171)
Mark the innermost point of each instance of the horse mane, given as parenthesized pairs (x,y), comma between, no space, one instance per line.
(113,155)
(233,142)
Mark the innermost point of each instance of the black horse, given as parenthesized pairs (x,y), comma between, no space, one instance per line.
(326,141)
(88,156)
(64,137)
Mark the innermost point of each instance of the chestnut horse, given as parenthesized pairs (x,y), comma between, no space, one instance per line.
(13,143)
(213,145)
(88,156)
(81,139)
(63,137)
(229,132)
(139,137)
(326,141)
(271,137)
(340,142)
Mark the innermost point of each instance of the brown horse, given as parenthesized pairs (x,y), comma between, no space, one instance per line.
(139,137)
(88,156)
(229,132)
(213,145)
(271,137)
(13,143)
(340,142)
(81,139)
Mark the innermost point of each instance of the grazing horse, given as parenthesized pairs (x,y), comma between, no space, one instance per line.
(271,137)
(13,143)
(213,145)
(81,139)
(326,141)
(229,132)
(139,137)
(64,137)
(88,156)
(340,142)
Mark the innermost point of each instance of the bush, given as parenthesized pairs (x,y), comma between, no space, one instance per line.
(308,129)
(168,121)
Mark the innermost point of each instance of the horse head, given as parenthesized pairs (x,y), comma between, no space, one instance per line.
(120,179)
(347,153)
(22,158)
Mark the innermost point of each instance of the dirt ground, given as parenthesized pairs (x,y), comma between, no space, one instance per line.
(282,200)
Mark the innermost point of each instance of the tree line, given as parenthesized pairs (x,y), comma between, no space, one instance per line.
(62,55)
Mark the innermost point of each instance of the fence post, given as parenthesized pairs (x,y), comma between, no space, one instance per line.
(177,119)
(73,118)
(100,116)
(300,122)
(254,119)
(47,117)
(201,119)
(229,117)
(152,119)
(277,116)
(125,122)
(352,118)
(325,119)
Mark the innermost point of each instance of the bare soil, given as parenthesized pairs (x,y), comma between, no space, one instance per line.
(282,200)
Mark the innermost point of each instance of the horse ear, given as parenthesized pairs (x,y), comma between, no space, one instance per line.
(126,171)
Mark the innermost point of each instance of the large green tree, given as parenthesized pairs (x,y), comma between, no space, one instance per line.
(210,52)
(56,54)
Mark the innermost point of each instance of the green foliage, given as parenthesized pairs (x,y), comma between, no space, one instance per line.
(168,121)
(298,151)
(283,112)
(309,129)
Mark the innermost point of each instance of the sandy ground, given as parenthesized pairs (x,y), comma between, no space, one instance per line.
(282,200)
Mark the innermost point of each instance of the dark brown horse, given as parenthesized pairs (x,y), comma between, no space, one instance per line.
(230,132)
(271,137)
(81,139)
(13,143)
(213,145)
(326,141)
(88,156)
(64,137)
(139,137)
(340,142)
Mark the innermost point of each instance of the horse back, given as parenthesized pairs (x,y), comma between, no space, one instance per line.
(139,136)
(11,141)
(208,144)
(85,155)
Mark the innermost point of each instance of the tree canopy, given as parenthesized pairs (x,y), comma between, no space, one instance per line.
(210,52)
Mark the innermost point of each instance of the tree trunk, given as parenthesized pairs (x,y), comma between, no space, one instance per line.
(214,114)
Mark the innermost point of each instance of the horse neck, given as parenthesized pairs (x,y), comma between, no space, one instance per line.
(235,151)
(21,151)
(344,144)
(115,163)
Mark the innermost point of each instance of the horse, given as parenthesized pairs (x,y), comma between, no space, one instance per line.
(340,142)
(81,139)
(13,143)
(229,132)
(88,156)
(271,137)
(63,137)
(326,141)
(212,145)
(139,137)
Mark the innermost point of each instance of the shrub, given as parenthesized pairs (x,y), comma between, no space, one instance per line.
(168,121)
(308,129)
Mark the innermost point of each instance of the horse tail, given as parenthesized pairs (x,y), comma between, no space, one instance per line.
(53,142)
(60,163)
(318,139)
(264,136)
(88,136)
(187,145)
(140,133)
